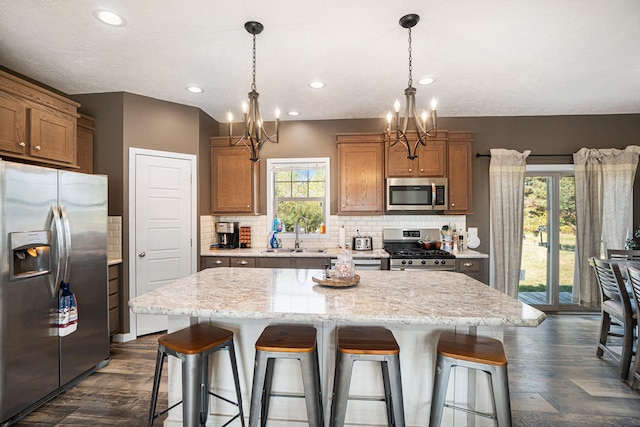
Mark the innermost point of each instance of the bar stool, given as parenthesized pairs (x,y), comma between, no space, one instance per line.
(374,344)
(286,342)
(192,346)
(474,352)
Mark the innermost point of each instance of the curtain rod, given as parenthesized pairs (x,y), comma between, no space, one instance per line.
(532,155)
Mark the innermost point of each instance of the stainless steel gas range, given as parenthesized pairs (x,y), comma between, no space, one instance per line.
(406,251)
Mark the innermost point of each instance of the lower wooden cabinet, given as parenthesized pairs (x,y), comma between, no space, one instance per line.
(272,262)
(315,262)
(114,299)
(473,267)
(264,262)
(214,261)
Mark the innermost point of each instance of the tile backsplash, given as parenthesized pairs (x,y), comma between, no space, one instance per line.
(368,226)
(114,237)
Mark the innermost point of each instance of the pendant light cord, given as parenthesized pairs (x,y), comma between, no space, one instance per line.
(253,85)
(410,63)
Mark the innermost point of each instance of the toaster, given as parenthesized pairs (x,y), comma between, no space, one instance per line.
(362,243)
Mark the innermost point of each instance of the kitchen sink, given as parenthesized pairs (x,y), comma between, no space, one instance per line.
(299,250)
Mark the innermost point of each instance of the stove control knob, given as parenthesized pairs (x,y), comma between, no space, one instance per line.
(443,262)
(410,262)
(436,262)
(423,262)
(404,262)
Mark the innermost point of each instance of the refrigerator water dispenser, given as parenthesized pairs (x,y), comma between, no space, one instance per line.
(31,254)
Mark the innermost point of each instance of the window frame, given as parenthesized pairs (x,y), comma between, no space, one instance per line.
(275,162)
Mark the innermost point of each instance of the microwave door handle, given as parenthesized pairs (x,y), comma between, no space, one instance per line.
(57,223)
(433,195)
(67,240)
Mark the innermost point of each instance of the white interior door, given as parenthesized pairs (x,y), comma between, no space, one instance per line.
(164,228)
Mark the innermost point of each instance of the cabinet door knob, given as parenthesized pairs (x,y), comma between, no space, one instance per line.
(37,148)
(22,144)
(453,204)
(218,262)
(409,169)
(421,170)
(248,206)
(243,262)
(468,264)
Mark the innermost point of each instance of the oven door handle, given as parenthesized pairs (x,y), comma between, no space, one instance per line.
(433,195)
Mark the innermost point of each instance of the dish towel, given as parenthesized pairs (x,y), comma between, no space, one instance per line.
(67,311)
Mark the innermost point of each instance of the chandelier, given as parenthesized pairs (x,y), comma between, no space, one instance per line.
(253,133)
(422,126)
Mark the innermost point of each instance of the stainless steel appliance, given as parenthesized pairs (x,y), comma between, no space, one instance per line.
(228,234)
(406,251)
(362,243)
(53,228)
(417,194)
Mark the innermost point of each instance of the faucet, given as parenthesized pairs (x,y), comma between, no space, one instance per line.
(296,228)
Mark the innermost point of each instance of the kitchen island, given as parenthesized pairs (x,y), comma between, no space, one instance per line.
(416,306)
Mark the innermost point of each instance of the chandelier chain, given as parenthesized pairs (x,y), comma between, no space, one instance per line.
(410,62)
(253,84)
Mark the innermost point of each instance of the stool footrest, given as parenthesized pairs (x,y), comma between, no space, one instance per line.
(367,398)
(471,411)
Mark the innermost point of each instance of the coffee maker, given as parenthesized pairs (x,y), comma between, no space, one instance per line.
(228,235)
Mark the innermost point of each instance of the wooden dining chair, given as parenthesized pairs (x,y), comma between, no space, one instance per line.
(615,303)
(633,274)
(623,254)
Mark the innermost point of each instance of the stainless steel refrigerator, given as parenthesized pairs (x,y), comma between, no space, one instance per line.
(53,228)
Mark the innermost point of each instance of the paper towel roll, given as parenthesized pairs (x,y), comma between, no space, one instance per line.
(342,237)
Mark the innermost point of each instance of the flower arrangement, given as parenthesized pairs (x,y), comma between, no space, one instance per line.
(633,243)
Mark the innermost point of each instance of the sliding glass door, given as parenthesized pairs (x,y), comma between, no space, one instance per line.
(548,249)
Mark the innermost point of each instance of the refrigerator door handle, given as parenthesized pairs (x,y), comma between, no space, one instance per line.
(67,241)
(60,244)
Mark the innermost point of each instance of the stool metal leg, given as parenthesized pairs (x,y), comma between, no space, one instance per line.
(266,393)
(204,390)
(500,384)
(341,384)
(156,385)
(387,393)
(236,380)
(395,382)
(309,362)
(259,373)
(443,369)
(191,377)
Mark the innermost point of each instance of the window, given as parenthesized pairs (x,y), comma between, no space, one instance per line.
(298,188)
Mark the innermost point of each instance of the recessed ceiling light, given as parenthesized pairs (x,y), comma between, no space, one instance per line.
(293,113)
(109,17)
(426,80)
(316,84)
(195,89)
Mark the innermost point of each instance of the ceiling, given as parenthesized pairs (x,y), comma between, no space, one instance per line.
(489,58)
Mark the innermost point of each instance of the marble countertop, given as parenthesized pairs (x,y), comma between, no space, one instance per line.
(114,261)
(381,297)
(331,253)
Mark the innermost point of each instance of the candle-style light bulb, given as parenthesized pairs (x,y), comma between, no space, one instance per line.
(396,106)
(229,117)
(277,113)
(424,116)
(434,103)
(389,116)
(245,107)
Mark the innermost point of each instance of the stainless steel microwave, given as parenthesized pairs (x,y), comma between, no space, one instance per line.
(417,194)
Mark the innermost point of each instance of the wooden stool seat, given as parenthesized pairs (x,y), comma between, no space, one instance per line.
(286,342)
(287,339)
(368,344)
(195,339)
(472,348)
(370,340)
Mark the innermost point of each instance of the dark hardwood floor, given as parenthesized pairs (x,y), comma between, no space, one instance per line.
(554,377)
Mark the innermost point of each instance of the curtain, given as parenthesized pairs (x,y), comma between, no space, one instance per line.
(604,185)
(507,171)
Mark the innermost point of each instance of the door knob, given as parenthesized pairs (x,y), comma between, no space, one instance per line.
(141,254)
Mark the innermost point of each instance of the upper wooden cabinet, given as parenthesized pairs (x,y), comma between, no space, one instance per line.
(234,179)
(360,174)
(431,161)
(36,125)
(85,132)
(459,171)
